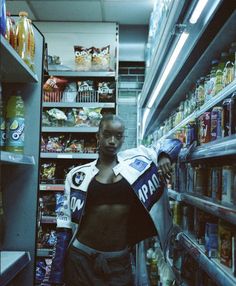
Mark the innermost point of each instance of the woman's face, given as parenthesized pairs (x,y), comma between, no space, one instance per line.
(110,137)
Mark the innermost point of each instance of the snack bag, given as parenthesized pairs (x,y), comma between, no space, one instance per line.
(86,91)
(106,91)
(82,58)
(101,58)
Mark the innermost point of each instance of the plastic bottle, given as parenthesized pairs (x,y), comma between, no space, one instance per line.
(10,31)
(212,82)
(2,122)
(15,124)
(22,38)
(219,84)
(3,17)
(31,45)
(229,70)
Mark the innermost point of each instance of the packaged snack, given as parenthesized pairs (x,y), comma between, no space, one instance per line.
(225,243)
(57,117)
(40,271)
(70,118)
(106,91)
(94,115)
(86,92)
(81,117)
(211,239)
(82,58)
(55,84)
(75,146)
(47,171)
(55,144)
(101,58)
(48,205)
(45,119)
(70,93)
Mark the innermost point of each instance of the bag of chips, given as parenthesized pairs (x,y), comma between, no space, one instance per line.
(82,58)
(101,58)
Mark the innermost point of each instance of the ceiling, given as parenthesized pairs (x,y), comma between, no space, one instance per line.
(124,12)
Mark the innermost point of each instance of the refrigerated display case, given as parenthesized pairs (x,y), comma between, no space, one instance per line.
(188,50)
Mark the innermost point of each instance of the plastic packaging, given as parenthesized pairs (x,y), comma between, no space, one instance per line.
(31,44)
(15,124)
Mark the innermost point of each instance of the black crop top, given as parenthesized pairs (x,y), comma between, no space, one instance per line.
(112,193)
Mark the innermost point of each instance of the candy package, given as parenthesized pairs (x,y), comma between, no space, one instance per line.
(47,171)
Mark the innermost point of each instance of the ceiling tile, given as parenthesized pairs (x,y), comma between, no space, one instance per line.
(14,7)
(68,10)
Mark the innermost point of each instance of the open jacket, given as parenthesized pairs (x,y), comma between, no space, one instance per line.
(139,167)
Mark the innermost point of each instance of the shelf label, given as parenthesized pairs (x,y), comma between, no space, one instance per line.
(64,156)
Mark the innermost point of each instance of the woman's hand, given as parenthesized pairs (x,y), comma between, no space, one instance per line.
(164,164)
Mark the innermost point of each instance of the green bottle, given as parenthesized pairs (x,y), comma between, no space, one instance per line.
(15,118)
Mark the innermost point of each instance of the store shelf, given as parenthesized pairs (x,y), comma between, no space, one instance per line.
(221,275)
(226,92)
(79,104)
(175,195)
(218,148)
(88,156)
(49,219)
(191,63)
(11,263)
(69,73)
(227,213)
(51,187)
(13,68)
(78,129)
(44,252)
(15,158)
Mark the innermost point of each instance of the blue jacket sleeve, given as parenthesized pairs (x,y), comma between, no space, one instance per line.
(57,268)
(171,147)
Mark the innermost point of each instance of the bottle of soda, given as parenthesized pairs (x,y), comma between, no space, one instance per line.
(22,37)
(15,124)
(2,122)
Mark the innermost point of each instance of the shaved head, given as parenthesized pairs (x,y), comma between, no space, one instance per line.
(111,117)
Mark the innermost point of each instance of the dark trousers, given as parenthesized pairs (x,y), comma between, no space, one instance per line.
(84,266)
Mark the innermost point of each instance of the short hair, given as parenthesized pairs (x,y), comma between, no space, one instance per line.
(110,117)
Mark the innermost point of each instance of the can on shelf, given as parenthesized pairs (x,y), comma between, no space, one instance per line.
(216,122)
(204,128)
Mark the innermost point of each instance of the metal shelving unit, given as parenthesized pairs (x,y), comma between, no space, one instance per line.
(69,73)
(51,187)
(220,274)
(20,193)
(21,72)
(78,129)
(175,195)
(11,263)
(89,156)
(48,219)
(226,92)
(79,104)
(14,158)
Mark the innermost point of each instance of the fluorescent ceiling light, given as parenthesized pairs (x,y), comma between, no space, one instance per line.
(168,68)
(197,11)
(145,115)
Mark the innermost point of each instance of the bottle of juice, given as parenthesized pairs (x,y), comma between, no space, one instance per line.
(15,124)
(10,31)
(2,17)
(31,44)
(219,84)
(2,122)
(22,37)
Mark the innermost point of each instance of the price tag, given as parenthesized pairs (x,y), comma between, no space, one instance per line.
(64,156)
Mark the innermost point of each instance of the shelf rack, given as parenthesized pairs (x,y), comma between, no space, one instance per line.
(78,129)
(89,156)
(16,158)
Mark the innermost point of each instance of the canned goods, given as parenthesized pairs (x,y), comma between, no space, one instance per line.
(204,128)
(216,122)
(191,133)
